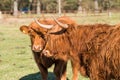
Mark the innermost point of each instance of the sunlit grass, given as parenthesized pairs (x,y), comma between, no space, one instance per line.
(16,59)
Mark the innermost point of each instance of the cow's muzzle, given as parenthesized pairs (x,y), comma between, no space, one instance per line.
(47,53)
(37,48)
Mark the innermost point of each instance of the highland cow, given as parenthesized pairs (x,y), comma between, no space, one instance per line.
(37,45)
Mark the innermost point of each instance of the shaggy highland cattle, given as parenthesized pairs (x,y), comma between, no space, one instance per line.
(105,65)
(37,45)
(71,42)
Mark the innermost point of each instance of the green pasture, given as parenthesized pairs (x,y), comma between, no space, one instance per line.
(16,59)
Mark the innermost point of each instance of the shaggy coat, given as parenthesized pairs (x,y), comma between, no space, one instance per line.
(106,64)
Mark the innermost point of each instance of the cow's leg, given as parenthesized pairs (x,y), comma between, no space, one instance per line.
(63,75)
(60,70)
(44,72)
(75,68)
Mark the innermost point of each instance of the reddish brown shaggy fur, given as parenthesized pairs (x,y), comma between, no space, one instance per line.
(106,64)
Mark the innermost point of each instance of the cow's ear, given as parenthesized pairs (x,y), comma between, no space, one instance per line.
(24,29)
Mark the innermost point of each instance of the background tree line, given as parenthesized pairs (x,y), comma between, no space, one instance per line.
(67,5)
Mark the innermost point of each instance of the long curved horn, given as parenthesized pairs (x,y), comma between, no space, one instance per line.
(59,23)
(43,25)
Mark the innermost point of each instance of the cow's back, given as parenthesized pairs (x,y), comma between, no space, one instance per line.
(85,34)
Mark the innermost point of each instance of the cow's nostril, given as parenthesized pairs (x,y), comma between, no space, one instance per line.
(40,48)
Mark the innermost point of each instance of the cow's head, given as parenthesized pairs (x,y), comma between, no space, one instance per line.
(37,33)
(37,39)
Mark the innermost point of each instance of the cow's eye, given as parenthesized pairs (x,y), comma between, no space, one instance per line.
(30,31)
(41,36)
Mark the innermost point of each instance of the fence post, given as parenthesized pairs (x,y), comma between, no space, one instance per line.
(15,8)
(59,7)
(1,16)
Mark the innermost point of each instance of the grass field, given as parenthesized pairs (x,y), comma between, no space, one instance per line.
(16,60)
